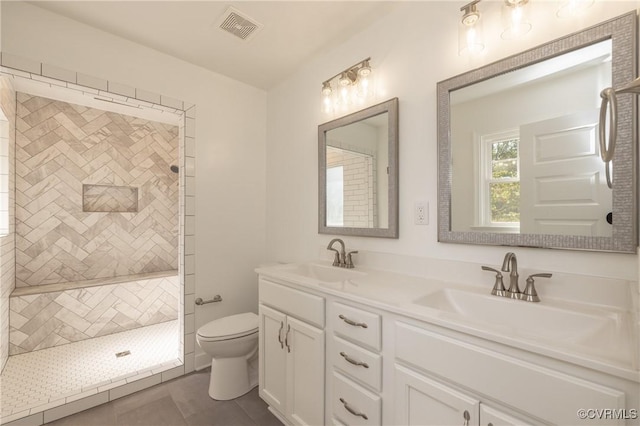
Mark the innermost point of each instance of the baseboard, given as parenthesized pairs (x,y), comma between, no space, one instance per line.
(278,415)
(202,361)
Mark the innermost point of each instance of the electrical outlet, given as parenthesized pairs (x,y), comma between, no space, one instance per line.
(421,213)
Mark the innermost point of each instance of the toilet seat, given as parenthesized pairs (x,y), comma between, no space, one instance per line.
(231,327)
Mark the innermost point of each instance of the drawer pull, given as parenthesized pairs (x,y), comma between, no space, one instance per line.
(353,361)
(467,417)
(352,322)
(286,338)
(352,411)
(280,335)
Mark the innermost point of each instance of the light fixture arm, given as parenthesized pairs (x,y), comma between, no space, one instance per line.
(352,71)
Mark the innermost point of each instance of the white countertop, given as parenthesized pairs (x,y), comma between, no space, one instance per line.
(612,350)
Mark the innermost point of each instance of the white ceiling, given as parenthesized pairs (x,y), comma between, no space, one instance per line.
(292,33)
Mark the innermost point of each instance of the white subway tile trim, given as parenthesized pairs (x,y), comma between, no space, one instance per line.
(151,97)
(90,81)
(59,73)
(121,89)
(20,63)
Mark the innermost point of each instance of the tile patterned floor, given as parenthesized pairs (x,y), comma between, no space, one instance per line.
(39,380)
(182,401)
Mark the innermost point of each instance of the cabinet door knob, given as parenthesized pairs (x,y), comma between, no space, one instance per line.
(352,322)
(353,361)
(280,335)
(350,409)
(467,417)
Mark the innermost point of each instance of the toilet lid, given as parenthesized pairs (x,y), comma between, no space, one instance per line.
(231,326)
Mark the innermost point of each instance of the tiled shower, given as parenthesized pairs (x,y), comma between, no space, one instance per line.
(96,242)
(95,200)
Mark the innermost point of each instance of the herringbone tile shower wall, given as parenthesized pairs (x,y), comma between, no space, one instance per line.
(60,147)
(44,320)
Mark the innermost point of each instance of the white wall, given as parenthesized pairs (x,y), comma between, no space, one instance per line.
(230,142)
(412,48)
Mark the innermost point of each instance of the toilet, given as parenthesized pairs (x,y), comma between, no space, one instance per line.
(232,343)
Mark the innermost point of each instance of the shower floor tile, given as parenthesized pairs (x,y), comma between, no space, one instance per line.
(39,380)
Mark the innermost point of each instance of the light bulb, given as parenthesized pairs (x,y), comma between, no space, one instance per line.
(365,70)
(344,80)
(514,19)
(470,30)
(471,37)
(344,95)
(326,88)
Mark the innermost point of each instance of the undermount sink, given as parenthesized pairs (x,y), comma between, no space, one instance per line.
(322,272)
(520,317)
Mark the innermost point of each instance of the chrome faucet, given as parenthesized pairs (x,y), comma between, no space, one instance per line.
(510,264)
(342,259)
(338,260)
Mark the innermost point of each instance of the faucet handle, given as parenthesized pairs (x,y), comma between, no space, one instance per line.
(530,294)
(336,258)
(498,286)
(349,261)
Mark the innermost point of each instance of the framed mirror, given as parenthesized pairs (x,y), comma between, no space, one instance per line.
(358,173)
(518,150)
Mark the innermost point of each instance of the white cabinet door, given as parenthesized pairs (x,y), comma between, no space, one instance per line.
(272,358)
(424,401)
(491,417)
(305,373)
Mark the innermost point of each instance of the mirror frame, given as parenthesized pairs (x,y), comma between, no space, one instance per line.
(623,33)
(391,108)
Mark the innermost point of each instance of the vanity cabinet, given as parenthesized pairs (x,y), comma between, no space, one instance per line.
(355,364)
(527,391)
(291,353)
(328,357)
(421,400)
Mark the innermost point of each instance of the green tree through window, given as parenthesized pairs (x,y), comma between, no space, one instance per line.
(504,182)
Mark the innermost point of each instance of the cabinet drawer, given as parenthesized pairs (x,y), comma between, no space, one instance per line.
(354,405)
(304,306)
(357,362)
(356,324)
(529,387)
(491,416)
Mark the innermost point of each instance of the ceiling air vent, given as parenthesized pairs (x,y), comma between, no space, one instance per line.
(238,24)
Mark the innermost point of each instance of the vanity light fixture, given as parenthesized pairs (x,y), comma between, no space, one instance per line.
(470,36)
(353,86)
(515,19)
(572,8)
